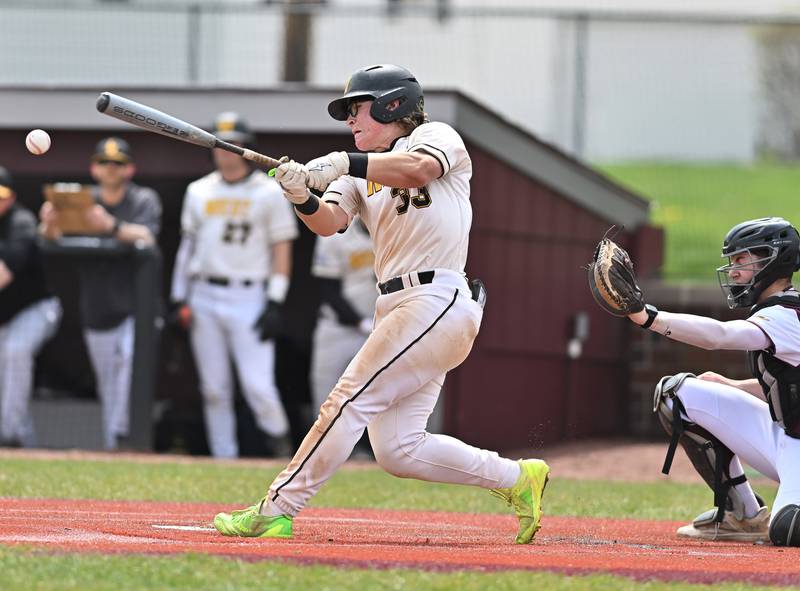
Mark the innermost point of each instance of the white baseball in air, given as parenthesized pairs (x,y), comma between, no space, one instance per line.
(37,142)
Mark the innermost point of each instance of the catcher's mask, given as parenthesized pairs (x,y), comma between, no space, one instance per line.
(383,84)
(774,246)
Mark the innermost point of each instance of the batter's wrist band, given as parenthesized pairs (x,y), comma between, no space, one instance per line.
(277,287)
(358,164)
(309,206)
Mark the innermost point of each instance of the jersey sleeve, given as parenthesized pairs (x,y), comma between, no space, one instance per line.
(327,260)
(148,210)
(344,193)
(782,326)
(281,221)
(440,141)
(189,217)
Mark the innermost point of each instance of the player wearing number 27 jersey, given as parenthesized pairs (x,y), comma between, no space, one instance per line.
(410,186)
(232,274)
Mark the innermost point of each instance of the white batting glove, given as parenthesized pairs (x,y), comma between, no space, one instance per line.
(293,178)
(324,170)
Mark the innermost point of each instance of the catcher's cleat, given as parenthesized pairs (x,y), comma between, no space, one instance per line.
(526,497)
(249,523)
(731,529)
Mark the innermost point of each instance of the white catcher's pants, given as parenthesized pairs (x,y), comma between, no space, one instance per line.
(392,385)
(743,423)
(20,340)
(222,328)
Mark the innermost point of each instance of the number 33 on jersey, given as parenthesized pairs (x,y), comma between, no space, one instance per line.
(416,228)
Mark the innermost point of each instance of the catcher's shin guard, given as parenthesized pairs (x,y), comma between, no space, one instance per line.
(784,529)
(708,455)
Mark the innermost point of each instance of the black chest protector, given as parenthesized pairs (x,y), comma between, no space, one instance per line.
(779,380)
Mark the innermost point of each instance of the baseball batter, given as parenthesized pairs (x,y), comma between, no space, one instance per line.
(232,271)
(719,421)
(410,186)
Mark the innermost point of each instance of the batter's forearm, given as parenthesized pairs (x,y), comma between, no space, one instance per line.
(325,221)
(403,170)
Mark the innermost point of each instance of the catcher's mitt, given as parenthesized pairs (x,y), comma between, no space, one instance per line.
(612,280)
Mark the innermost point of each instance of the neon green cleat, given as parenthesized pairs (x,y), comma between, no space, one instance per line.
(526,497)
(249,523)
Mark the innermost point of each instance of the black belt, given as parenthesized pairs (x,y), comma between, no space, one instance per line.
(225,282)
(396,283)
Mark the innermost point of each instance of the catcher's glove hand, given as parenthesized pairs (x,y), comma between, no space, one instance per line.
(612,280)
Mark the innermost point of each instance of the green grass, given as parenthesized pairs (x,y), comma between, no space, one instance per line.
(697,205)
(29,568)
(26,570)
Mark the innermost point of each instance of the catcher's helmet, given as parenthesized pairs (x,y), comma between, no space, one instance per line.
(384,84)
(774,243)
(230,127)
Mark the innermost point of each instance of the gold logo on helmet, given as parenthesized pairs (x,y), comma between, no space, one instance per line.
(347,85)
(226,125)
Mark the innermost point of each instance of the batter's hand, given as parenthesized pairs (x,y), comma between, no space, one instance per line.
(324,170)
(293,178)
(270,323)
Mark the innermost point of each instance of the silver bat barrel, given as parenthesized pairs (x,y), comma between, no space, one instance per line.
(153,120)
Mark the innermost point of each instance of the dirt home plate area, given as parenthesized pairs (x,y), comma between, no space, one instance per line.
(436,541)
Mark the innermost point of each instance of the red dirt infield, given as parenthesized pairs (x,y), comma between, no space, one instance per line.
(642,550)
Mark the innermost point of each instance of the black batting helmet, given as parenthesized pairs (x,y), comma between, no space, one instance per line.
(384,84)
(231,127)
(774,243)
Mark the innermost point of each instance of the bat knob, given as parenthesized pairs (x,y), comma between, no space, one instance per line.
(102,102)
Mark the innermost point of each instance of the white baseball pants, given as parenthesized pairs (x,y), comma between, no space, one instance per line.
(222,328)
(392,385)
(743,423)
(334,347)
(111,353)
(20,341)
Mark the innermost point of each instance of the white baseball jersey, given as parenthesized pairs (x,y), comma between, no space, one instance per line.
(782,326)
(348,256)
(234,224)
(416,229)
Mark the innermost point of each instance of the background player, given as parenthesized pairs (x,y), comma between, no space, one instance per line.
(130,213)
(232,269)
(417,210)
(29,315)
(343,264)
(757,420)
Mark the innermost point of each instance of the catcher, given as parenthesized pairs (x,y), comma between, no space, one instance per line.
(718,420)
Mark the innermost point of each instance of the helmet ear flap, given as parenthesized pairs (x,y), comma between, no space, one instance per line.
(380,106)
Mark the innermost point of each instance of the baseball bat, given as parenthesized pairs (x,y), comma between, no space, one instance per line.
(156,121)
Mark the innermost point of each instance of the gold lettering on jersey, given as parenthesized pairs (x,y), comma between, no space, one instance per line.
(372,188)
(228,207)
(361,259)
(419,198)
